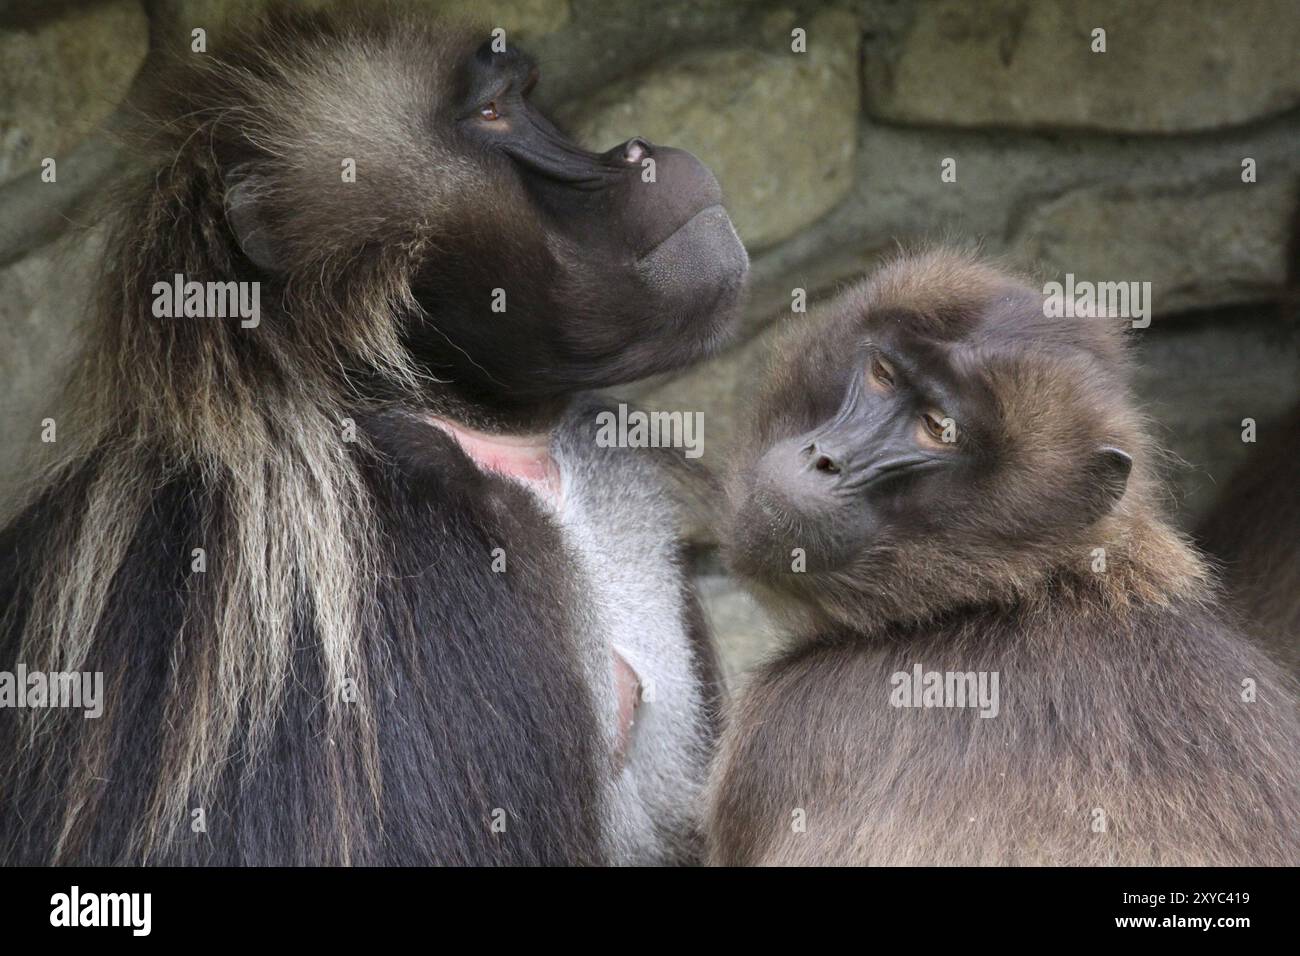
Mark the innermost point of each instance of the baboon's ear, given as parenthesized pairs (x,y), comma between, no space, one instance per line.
(245,212)
(1108,478)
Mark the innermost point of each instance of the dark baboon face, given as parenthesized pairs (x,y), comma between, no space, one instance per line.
(529,266)
(933,411)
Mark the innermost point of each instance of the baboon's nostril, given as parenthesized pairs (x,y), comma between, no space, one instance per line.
(826,464)
(635,150)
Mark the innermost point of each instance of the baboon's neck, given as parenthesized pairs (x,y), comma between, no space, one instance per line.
(1130,560)
(1145,561)
(534,418)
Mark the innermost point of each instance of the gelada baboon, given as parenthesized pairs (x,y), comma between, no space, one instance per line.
(1253,531)
(360,584)
(951,499)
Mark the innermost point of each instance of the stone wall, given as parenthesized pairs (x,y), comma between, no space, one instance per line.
(1125,164)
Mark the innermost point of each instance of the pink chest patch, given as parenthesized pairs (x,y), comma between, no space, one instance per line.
(627,689)
(526,458)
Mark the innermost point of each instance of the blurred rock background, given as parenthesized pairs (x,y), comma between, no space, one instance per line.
(1122,165)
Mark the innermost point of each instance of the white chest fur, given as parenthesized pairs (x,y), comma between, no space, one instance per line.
(620,526)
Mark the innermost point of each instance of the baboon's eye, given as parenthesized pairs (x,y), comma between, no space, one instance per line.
(489,112)
(881,372)
(934,425)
